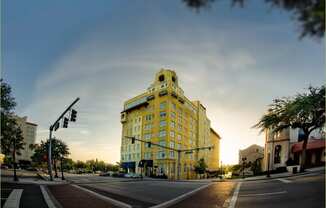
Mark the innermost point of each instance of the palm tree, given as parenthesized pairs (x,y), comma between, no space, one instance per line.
(305,111)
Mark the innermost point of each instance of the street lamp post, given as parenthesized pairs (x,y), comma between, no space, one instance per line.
(243,166)
(268,162)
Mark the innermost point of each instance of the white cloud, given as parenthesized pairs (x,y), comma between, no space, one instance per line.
(105,72)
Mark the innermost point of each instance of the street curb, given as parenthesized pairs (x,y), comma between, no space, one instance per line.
(275,177)
(49,198)
(105,198)
(180,198)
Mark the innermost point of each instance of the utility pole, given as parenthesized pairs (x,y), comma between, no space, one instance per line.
(50,137)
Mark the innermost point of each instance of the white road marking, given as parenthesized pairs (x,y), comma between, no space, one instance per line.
(47,197)
(180,198)
(284,180)
(13,199)
(105,198)
(235,196)
(265,194)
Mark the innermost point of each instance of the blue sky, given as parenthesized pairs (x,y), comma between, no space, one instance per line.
(234,60)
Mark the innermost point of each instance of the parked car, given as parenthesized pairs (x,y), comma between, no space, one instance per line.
(105,174)
(4,166)
(132,175)
(118,174)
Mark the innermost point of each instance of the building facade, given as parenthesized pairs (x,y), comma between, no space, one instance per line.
(29,134)
(163,115)
(279,146)
(251,153)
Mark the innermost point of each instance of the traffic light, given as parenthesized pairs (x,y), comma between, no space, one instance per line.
(73,115)
(57,125)
(65,122)
(133,140)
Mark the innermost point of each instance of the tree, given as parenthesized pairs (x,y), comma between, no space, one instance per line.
(256,166)
(310,14)
(59,151)
(305,111)
(200,166)
(12,140)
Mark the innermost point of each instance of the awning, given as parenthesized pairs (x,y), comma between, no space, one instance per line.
(126,165)
(312,144)
(147,163)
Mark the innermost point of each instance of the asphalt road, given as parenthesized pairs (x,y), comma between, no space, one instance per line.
(135,191)
(299,191)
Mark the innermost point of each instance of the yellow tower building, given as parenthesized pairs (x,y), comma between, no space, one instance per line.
(163,115)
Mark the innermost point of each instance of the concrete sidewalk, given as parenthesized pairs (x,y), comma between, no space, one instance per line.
(282,175)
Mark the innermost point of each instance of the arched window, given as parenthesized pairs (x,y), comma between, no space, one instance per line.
(161,78)
(277,154)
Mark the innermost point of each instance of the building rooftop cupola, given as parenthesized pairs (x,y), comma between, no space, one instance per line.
(166,76)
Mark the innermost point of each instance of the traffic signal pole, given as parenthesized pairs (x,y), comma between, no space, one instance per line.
(178,169)
(50,137)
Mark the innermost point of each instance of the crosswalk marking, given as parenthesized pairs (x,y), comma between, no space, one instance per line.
(284,180)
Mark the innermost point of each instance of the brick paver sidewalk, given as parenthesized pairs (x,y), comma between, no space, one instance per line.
(69,196)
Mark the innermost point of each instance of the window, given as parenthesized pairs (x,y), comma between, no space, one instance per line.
(147,155)
(171,154)
(277,154)
(162,133)
(162,114)
(178,146)
(161,155)
(162,143)
(162,123)
(172,114)
(179,137)
(171,133)
(179,127)
(148,127)
(171,144)
(174,106)
(162,105)
(149,117)
(147,136)
(138,146)
(172,124)
(161,78)
(180,111)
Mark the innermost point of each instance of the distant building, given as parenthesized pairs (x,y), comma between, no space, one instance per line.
(164,115)
(287,144)
(29,134)
(213,155)
(251,153)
